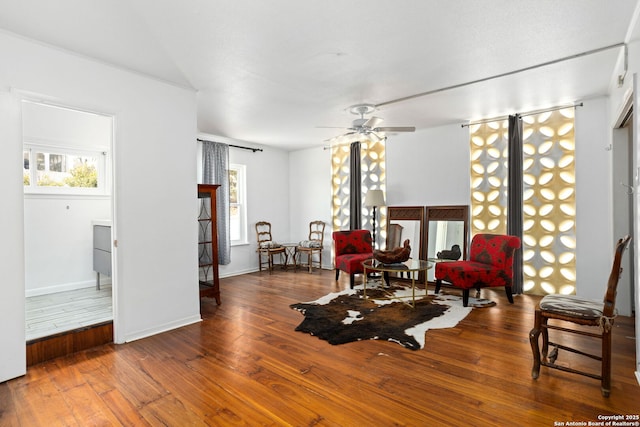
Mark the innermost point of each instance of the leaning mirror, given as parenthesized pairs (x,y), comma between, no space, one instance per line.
(446,234)
(406,222)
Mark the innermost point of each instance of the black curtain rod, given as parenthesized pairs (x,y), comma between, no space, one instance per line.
(532,113)
(235,146)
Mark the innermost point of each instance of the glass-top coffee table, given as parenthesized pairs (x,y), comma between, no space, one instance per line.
(412,267)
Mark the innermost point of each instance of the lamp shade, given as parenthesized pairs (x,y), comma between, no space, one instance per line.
(374,198)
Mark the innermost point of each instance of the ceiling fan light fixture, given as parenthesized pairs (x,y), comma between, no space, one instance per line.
(362,109)
(373,122)
(358,123)
(367,128)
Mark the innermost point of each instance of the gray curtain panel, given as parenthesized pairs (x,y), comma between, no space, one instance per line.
(215,170)
(355,188)
(514,197)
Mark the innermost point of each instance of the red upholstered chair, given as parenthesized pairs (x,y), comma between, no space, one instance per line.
(490,264)
(351,248)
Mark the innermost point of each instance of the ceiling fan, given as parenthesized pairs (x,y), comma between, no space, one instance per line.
(367,127)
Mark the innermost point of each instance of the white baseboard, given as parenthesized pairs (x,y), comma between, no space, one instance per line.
(238,273)
(638,377)
(255,270)
(65,287)
(161,328)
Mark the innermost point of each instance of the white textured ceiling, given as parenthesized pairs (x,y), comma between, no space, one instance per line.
(271,72)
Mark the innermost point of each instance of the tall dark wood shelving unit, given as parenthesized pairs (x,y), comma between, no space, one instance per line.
(208,243)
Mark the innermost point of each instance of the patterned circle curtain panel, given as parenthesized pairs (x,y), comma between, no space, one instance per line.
(548,208)
(372,176)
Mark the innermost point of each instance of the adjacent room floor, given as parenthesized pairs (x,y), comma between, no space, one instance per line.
(51,314)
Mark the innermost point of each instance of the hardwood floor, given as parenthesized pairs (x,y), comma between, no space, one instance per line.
(245,365)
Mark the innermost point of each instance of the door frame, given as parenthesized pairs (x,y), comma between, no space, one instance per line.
(23,95)
(635,143)
(623,210)
(13,357)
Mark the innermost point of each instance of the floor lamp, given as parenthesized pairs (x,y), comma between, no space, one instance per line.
(373,199)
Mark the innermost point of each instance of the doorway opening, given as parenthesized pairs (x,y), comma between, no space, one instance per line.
(623,209)
(67,176)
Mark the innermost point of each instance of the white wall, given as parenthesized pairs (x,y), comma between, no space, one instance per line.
(155,192)
(429,167)
(267,198)
(51,124)
(59,242)
(594,212)
(310,190)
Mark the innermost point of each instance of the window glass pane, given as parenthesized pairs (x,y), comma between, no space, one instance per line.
(83,173)
(40,161)
(57,163)
(26,177)
(235,223)
(66,170)
(237,207)
(25,156)
(233,186)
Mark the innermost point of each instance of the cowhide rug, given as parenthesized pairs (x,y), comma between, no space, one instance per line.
(346,316)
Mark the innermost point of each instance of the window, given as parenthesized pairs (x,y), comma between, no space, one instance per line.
(63,170)
(237,204)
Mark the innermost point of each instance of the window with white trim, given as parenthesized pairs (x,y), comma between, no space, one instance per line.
(53,169)
(237,204)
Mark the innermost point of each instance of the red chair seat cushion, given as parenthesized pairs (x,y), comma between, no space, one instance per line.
(490,263)
(468,274)
(352,263)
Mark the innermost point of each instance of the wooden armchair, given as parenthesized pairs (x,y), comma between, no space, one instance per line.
(579,311)
(267,247)
(351,248)
(490,264)
(313,245)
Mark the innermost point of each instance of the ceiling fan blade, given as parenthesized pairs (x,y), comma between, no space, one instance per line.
(375,137)
(341,138)
(345,138)
(372,122)
(396,129)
